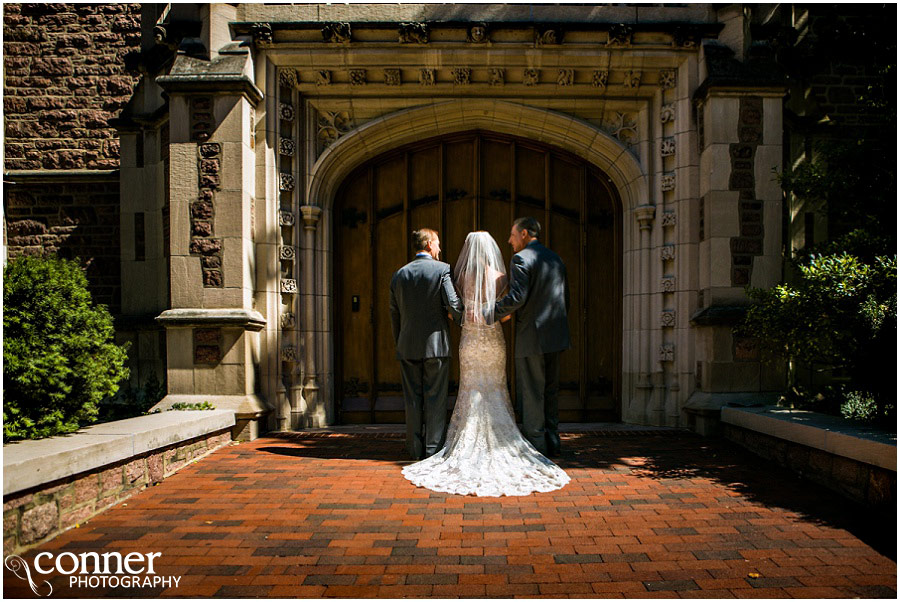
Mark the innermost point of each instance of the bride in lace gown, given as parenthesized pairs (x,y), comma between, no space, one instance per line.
(484,454)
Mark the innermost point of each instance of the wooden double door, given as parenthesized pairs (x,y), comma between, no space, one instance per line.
(456,184)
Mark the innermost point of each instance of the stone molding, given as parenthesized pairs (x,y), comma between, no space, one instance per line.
(248,319)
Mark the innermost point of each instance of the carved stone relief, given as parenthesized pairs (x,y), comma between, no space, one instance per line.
(566,77)
(286,147)
(546,36)
(288,286)
(331,126)
(668,284)
(496,76)
(668,181)
(286,253)
(392,77)
(667,147)
(667,113)
(620,35)
(286,111)
(667,252)
(357,77)
(285,182)
(461,75)
(288,77)
(667,352)
(413,33)
(338,33)
(667,79)
(261,33)
(667,318)
(478,34)
(323,77)
(286,218)
(289,353)
(599,79)
(426,77)
(624,128)
(668,219)
(530,77)
(288,320)
(632,79)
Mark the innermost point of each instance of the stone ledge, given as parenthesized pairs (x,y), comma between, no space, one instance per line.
(818,431)
(248,319)
(28,464)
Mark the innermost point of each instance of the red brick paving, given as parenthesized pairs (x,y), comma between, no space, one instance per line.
(645,516)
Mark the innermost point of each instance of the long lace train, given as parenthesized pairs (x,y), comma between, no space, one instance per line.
(485,454)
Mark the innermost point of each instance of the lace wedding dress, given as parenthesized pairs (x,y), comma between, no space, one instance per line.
(485,454)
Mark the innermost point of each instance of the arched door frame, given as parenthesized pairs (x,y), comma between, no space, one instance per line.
(411,125)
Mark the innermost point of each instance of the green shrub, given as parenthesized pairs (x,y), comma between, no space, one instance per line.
(841,315)
(858,406)
(180,405)
(59,358)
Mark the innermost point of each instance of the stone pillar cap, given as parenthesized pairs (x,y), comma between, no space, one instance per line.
(249,319)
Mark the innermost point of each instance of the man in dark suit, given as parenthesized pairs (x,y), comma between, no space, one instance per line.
(422,294)
(539,294)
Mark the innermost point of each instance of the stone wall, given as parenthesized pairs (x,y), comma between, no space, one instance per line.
(35,516)
(65,78)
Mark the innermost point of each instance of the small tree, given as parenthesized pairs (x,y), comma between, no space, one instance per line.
(59,358)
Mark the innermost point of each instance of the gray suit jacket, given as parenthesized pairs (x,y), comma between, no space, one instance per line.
(539,294)
(421,295)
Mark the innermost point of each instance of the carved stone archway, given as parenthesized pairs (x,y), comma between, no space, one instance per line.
(410,125)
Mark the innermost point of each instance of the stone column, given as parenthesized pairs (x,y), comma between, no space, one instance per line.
(211,324)
(644,215)
(314,414)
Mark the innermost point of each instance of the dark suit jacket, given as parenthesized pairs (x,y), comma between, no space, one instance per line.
(421,295)
(539,294)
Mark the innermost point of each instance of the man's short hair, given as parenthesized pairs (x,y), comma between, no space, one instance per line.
(530,224)
(421,238)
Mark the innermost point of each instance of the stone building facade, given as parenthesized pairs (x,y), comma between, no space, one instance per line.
(274,159)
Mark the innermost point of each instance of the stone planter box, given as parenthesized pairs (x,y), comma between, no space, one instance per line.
(855,461)
(50,485)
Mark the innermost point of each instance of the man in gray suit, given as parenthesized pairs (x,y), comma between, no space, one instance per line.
(422,294)
(539,294)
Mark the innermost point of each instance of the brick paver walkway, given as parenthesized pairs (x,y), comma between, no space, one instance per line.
(646,515)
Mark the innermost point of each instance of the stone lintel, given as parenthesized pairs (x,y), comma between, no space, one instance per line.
(247,319)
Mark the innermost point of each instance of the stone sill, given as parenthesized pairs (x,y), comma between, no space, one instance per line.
(28,464)
(830,434)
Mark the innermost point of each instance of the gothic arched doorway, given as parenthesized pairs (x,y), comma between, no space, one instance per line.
(457,183)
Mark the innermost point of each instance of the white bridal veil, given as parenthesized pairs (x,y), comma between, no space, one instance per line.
(480,275)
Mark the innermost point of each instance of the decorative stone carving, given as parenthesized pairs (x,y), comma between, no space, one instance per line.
(667,113)
(667,252)
(667,79)
(288,286)
(311,215)
(288,77)
(288,320)
(286,218)
(323,77)
(285,182)
(566,77)
(667,352)
(338,33)
(530,77)
(620,35)
(632,79)
(644,215)
(668,182)
(261,33)
(461,75)
(289,353)
(426,77)
(357,77)
(496,76)
(668,284)
(332,125)
(668,219)
(667,318)
(392,77)
(624,128)
(667,147)
(209,150)
(478,34)
(547,36)
(413,33)
(286,111)
(600,78)
(686,37)
(286,147)
(286,253)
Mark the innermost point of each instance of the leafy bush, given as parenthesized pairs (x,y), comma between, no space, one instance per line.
(858,406)
(59,357)
(192,406)
(841,315)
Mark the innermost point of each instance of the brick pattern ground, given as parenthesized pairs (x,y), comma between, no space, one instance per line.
(646,515)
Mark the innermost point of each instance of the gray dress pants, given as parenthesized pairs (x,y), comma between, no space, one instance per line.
(425,385)
(537,384)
